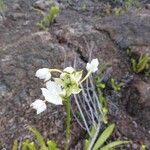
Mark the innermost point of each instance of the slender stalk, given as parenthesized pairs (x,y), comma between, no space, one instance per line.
(55,70)
(87,75)
(80,110)
(68,124)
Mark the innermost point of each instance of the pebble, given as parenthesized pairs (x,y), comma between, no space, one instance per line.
(135,146)
(16,6)
(16,16)
(3,90)
(44,4)
(147,6)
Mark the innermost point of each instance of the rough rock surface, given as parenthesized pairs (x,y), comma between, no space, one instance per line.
(24,49)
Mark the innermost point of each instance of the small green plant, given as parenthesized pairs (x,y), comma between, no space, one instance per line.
(118,11)
(101,86)
(141,64)
(38,145)
(129,52)
(101,140)
(125,6)
(104,107)
(49,17)
(129,3)
(115,85)
(143,147)
(84,7)
(2,8)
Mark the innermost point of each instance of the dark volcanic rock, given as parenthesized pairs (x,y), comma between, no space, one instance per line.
(18,64)
(23,50)
(127,30)
(138,102)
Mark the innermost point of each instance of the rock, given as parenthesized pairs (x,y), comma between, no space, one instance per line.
(135,146)
(3,90)
(147,6)
(127,30)
(44,4)
(85,40)
(43,35)
(17,16)
(144,90)
(138,102)
(16,6)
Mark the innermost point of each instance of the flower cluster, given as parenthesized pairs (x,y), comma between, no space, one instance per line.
(59,89)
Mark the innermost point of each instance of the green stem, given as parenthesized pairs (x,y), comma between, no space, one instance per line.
(88,74)
(68,124)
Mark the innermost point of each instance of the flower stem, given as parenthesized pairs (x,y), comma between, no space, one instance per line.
(68,124)
(87,75)
(55,70)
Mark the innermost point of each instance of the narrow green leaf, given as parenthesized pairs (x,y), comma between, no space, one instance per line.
(25,145)
(86,144)
(31,146)
(101,85)
(133,61)
(52,145)
(143,61)
(113,144)
(15,145)
(92,130)
(103,102)
(53,12)
(39,138)
(104,136)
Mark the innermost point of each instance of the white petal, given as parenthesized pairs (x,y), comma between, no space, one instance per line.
(93,66)
(88,67)
(53,87)
(51,97)
(47,77)
(95,62)
(69,70)
(43,73)
(39,105)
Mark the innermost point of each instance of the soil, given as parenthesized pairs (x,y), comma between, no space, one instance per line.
(83,27)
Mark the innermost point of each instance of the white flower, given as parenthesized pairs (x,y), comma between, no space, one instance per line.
(52,93)
(69,70)
(39,105)
(93,66)
(43,73)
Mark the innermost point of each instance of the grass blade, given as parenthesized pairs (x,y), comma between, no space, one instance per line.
(104,136)
(15,145)
(52,145)
(113,144)
(39,138)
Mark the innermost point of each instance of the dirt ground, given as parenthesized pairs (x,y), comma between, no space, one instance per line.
(81,27)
